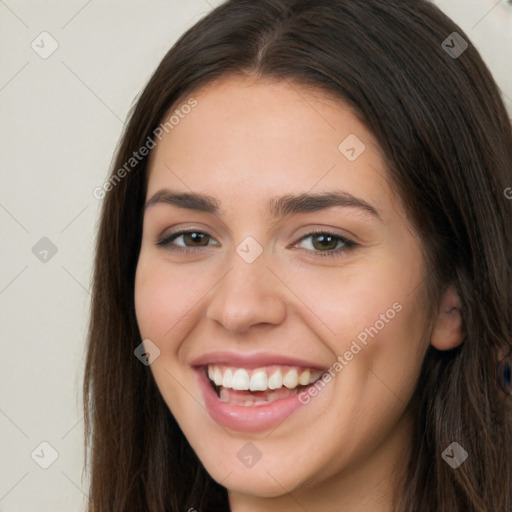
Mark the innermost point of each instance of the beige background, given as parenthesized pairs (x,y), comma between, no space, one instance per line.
(60,118)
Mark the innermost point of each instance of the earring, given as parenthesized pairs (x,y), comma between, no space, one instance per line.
(503,375)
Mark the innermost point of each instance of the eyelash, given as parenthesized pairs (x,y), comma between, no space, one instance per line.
(167,242)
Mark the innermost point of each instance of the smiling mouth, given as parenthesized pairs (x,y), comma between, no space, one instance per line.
(259,386)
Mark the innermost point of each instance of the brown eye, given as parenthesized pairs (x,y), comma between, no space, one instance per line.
(327,244)
(186,239)
(195,238)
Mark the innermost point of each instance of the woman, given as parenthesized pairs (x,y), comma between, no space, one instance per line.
(302,284)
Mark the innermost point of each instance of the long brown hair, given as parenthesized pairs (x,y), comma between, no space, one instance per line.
(447,138)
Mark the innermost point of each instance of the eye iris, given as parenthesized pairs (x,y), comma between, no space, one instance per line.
(196,237)
(326,241)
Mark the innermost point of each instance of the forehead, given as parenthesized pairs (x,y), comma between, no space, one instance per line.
(263,138)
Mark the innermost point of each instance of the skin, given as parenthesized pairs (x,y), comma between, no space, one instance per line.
(248,140)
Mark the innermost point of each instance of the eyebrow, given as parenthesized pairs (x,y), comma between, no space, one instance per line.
(278,207)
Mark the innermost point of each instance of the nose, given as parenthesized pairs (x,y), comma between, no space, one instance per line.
(249,294)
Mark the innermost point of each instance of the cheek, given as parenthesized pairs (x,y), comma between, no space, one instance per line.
(381,336)
(165,302)
(376,321)
(164,295)
(154,300)
(349,300)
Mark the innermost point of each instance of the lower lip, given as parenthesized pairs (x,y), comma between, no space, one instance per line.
(257,418)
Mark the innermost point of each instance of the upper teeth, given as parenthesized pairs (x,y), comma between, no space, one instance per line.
(261,379)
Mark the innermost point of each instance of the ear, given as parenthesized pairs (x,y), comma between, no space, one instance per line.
(448,331)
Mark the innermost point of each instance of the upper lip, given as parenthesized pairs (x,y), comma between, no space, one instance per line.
(252,360)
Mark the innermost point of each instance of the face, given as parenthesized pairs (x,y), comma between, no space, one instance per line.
(289,305)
